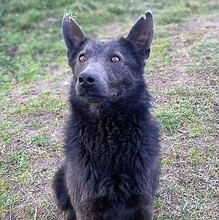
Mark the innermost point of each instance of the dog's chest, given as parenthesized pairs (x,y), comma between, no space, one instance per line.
(105,160)
(110,144)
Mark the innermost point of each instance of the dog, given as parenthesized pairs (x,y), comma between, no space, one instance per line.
(112,163)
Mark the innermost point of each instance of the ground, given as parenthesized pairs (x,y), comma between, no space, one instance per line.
(182,75)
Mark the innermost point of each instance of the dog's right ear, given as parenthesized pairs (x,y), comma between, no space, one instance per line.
(72,32)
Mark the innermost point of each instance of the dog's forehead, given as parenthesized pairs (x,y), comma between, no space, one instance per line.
(102,46)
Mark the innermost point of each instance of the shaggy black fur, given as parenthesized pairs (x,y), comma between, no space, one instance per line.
(111,163)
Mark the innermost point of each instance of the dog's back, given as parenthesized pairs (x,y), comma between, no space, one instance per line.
(112,163)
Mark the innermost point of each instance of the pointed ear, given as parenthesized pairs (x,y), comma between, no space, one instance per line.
(141,35)
(72,32)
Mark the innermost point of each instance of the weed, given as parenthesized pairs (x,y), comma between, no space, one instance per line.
(38,140)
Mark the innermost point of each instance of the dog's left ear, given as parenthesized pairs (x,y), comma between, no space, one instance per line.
(141,35)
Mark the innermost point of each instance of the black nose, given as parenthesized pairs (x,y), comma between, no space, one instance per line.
(86,79)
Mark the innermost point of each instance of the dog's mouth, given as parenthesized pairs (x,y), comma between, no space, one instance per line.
(96,94)
(91,95)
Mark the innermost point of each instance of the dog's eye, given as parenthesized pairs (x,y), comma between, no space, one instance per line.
(82,58)
(115,59)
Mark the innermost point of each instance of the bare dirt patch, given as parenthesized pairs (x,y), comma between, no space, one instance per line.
(181,40)
(204,27)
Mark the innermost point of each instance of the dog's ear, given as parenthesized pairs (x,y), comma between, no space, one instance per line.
(72,32)
(141,35)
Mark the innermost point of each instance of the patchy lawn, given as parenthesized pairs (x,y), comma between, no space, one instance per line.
(182,75)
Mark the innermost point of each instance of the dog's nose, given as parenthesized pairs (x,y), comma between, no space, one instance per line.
(86,79)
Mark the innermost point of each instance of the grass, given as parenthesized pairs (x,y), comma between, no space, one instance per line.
(182,74)
(174,116)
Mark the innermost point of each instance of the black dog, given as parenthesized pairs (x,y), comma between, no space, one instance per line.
(111,166)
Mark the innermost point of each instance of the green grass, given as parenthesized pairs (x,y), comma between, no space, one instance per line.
(38,140)
(161,48)
(182,73)
(43,103)
(15,171)
(174,116)
(208,63)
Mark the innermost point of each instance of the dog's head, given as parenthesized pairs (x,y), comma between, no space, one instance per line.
(107,70)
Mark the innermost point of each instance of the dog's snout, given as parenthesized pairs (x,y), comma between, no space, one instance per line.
(86,79)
